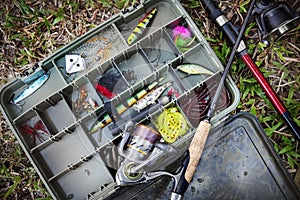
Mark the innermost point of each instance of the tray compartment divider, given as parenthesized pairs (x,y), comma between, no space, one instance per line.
(81,160)
(120,35)
(170,41)
(31,129)
(132,64)
(146,58)
(60,74)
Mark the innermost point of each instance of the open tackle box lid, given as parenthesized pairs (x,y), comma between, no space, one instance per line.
(54,113)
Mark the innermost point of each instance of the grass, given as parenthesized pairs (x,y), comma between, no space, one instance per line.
(32,31)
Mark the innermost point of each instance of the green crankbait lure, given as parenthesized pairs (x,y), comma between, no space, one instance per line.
(171,124)
(194,69)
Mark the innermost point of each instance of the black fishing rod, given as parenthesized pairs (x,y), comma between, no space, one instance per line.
(231,33)
(199,140)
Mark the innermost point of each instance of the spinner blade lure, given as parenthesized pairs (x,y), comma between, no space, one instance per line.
(30,89)
(83,103)
(142,25)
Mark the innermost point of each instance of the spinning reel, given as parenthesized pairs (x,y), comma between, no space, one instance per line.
(274,19)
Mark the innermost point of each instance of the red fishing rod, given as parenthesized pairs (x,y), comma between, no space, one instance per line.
(231,33)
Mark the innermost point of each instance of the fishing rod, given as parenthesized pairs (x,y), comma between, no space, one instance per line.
(231,33)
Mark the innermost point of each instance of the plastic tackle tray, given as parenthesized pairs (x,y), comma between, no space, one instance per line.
(54,125)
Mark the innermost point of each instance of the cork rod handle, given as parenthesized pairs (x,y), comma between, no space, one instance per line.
(196,149)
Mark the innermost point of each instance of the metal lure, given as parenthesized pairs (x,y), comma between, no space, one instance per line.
(106,119)
(140,28)
(194,69)
(31,89)
(151,97)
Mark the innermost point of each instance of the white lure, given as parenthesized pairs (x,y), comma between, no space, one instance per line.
(151,97)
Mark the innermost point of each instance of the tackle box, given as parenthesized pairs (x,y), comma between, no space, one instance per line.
(82,123)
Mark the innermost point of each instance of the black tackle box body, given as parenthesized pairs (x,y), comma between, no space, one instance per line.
(53,125)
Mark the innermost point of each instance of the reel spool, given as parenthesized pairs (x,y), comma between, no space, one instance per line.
(138,146)
(274,18)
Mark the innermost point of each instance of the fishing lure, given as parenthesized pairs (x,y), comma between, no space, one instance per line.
(36,131)
(171,124)
(99,48)
(150,98)
(75,63)
(195,105)
(90,105)
(194,69)
(82,104)
(112,82)
(183,38)
(121,108)
(33,87)
(82,95)
(140,28)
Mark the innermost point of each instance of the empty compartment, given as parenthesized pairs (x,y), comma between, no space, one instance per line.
(82,97)
(56,113)
(88,178)
(135,26)
(16,103)
(196,66)
(195,103)
(182,35)
(32,130)
(159,48)
(91,53)
(60,154)
(133,65)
